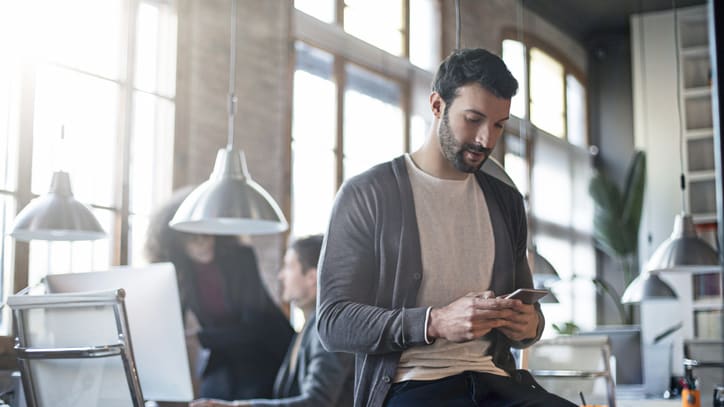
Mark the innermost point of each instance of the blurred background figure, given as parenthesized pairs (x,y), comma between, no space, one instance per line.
(309,376)
(242,329)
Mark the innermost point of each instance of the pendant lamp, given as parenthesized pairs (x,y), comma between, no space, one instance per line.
(230,202)
(647,286)
(57,215)
(683,249)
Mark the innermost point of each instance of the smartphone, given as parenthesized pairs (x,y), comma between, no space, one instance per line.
(527,295)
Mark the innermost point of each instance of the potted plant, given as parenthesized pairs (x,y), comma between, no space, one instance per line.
(617,217)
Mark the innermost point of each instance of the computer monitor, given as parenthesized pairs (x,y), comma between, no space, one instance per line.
(154,320)
(626,347)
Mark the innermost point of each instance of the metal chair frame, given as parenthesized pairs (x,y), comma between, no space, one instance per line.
(574,373)
(123,348)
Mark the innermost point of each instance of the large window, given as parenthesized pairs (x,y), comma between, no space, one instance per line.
(546,145)
(406,28)
(353,91)
(102,75)
(551,96)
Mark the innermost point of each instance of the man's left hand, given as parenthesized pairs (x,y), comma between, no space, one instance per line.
(523,324)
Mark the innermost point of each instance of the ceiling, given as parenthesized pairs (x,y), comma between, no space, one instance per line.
(584,19)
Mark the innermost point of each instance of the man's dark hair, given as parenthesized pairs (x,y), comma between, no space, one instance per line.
(465,66)
(307,249)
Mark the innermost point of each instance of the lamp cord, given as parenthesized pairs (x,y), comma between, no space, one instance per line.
(644,92)
(232,76)
(682,178)
(457,24)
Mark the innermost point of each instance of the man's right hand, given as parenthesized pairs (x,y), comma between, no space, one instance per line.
(470,317)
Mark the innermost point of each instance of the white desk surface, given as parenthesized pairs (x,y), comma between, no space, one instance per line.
(648,403)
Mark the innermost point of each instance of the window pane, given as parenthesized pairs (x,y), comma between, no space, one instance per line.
(138,225)
(320,9)
(418,132)
(369,142)
(514,57)
(155,49)
(7,258)
(315,108)
(9,80)
(63,32)
(364,20)
(515,163)
(7,213)
(551,167)
(575,292)
(313,188)
(425,33)
(546,93)
(576,111)
(56,257)
(87,107)
(151,158)
(314,141)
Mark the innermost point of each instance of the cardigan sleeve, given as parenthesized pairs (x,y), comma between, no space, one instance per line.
(349,271)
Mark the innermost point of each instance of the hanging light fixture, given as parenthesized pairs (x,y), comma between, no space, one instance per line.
(230,202)
(57,215)
(647,286)
(684,248)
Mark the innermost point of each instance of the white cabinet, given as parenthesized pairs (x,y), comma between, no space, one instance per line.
(673,124)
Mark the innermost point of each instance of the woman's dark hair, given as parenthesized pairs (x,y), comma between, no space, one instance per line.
(307,249)
(164,244)
(476,65)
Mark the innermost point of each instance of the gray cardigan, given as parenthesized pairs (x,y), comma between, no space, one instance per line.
(370,272)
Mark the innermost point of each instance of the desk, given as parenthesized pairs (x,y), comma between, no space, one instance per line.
(648,403)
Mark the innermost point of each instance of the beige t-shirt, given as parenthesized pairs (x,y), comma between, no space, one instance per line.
(458,249)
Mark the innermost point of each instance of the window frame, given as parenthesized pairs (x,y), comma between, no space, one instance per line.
(120,235)
(345,50)
(529,41)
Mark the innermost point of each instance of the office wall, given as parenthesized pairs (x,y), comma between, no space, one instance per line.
(611,130)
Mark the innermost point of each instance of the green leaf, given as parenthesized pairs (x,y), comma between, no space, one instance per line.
(617,215)
(633,196)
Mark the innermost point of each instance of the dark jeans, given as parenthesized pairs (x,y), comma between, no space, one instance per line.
(473,389)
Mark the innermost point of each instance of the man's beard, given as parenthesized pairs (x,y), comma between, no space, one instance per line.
(454,151)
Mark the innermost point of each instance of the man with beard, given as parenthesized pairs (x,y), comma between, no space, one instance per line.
(418,252)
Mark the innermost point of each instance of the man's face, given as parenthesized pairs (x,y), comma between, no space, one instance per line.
(471,126)
(297,286)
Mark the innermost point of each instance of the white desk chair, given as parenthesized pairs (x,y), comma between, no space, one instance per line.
(568,365)
(75,350)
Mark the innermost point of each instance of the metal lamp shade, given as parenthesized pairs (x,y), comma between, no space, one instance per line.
(647,286)
(57,215)
(542,269)
(229,203)
(683,249)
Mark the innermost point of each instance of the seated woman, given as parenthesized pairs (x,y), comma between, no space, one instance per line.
(310,376)
(244,331)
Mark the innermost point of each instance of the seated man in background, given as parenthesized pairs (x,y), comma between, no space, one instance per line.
(309,376)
